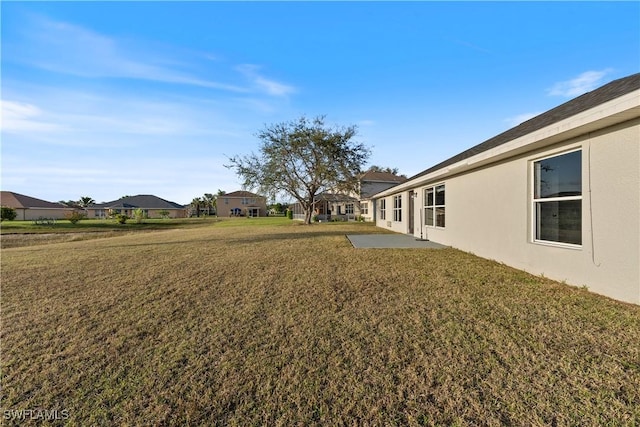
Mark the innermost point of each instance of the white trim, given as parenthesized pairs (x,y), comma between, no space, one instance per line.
(532,206)
(424,206)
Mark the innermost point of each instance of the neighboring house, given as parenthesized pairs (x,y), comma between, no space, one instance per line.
(29,208)
(372,183)
(152,206)
(557,195)
(358,204)
(331,206)
(241,203)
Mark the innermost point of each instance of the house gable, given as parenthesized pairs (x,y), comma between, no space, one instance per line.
(20,201)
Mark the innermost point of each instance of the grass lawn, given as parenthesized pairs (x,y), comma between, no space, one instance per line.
(282,324)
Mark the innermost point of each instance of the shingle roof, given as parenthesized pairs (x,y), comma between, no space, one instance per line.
(381,177)
(335,197)
(577,105)
(240,194)
(20,201)
(144,201)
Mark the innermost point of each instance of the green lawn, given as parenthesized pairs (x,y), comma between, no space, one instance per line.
(277,323)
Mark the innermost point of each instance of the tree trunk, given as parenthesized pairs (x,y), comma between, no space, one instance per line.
(308,211)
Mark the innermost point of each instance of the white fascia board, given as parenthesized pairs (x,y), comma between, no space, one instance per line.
(617,110)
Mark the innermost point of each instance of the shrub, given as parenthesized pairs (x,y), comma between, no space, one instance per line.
(121,218)
(75,216)
(164,214)
(139,215)
(8,213)
(289,214)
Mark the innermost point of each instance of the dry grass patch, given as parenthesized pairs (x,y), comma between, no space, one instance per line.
(289,325)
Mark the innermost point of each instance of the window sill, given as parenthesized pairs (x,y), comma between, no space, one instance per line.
(557,245)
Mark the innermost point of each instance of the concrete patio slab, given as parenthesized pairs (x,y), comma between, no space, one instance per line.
(382,241)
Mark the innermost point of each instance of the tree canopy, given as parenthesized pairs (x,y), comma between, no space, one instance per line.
(303,158)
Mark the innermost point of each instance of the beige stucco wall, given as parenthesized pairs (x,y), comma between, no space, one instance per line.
(389,223)
(35,213)
(226,204)
(489,213)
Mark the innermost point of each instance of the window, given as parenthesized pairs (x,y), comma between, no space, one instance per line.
(397,208)
(557,199)
(434,212)
(364,208)
(348,209)
(383,208)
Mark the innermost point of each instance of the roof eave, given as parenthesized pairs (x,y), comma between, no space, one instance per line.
(610,113)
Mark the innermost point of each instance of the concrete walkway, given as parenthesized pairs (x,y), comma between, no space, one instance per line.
(390,241)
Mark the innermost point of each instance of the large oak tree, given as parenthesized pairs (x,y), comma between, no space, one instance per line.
(303,158)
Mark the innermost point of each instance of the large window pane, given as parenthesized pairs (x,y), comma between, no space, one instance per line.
(428,216)
(559,176)
(559,221)
(440,195)
(440,217)
(429,196)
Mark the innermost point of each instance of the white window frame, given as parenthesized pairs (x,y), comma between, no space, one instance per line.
(348,209)
(534,201)
(383,209)
(435,206)
(364,208)
(397,208)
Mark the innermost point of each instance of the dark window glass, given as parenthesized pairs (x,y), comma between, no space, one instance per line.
(559,176)
(559,221)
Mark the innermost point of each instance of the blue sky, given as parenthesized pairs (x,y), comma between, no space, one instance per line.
(107,99)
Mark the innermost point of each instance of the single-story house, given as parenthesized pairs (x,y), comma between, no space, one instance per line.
(557,195)
(241,203)
(29,208)
(331,206)
(153,207)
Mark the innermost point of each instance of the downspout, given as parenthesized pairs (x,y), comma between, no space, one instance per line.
(593,246)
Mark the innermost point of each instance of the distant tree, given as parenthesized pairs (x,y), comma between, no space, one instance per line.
(302,159)
(196,205)
(376,168)
(86,201)
(8,213)
(71,204)
(209,202)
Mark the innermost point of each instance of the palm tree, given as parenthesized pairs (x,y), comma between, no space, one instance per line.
(209,200)
(86,201)
(195,204)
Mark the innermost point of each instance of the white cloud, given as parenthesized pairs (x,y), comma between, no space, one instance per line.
(583,83)
(271,87)
(20,117)
(520,118)
(70,49)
